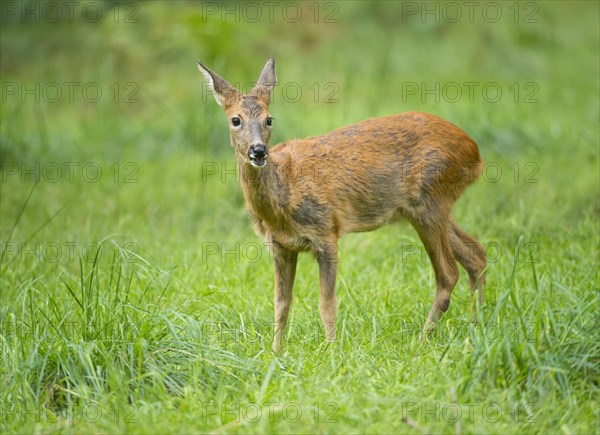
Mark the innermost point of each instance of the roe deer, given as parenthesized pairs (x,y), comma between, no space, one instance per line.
(412,166)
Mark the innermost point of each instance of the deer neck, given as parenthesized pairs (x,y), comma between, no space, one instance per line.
(264,191)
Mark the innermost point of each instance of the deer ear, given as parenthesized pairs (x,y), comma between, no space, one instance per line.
(266,82)
(224,93)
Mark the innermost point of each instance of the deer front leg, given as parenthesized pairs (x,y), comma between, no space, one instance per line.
(327,257)
(285,272)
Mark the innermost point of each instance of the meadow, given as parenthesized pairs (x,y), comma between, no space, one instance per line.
(135,296)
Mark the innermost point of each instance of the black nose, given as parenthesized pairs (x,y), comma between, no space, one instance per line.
(258,151)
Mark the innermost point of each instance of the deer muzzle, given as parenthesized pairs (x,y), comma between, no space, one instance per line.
(258,155)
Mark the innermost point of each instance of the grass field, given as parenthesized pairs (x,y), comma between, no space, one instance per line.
(135,296)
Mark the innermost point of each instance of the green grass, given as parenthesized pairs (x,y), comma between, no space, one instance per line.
(140,300)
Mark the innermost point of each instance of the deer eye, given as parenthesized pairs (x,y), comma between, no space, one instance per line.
(269,121)
(236,121)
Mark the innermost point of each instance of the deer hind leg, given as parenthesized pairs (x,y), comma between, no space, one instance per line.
(471,255)
(327,257)
(285,272)
(434,236)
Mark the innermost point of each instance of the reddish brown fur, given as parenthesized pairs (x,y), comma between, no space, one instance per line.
(356,178)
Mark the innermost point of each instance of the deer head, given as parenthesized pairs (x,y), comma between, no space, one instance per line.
(248,115)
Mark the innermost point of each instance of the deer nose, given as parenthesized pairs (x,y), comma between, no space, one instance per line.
(257,151)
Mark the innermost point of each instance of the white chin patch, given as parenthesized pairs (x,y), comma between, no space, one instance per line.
(258,163)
